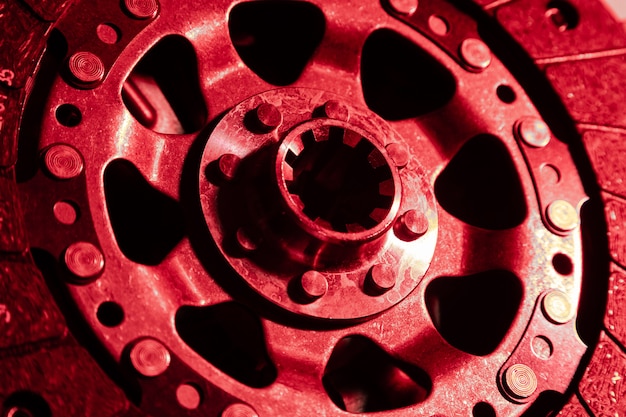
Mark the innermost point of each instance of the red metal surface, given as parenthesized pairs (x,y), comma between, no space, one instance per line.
(261,299)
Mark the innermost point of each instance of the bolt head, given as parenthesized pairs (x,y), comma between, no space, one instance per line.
(86,68)
(519,381)
(411,225)
(534,132)
(314,284)
(245,241)
(475,54)
(557,307)
(63,162)
(382,277)
(405,7)
(142,9)
(84,260)
(227,165)
(562,216)
(239,410)
(399,154)
(334,109)
(268,116)
(150,358)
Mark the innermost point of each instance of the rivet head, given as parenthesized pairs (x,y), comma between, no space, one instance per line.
(334,109)
(562,216)
(411,225)
(86,67)
(475,54)
(382,277)
(557,307)
(534,132)
(406,7)
(150,358)
(268,116)
(63,162)
(399,154)
(84,260)
(227,165)
(314,284)
(142,9)
(519,381)
(239,410)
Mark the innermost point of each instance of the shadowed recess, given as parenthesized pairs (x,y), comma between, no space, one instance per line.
(231,338)
(400,80)
(26,404)
(361,377)
(163,91)
(481,187)
(276,39)
(474,313)
(147,224)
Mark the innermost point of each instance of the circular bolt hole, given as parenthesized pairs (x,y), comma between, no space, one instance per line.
(483,409)
(542,347)
(438,25)
(188,396)
(550,174)
(108,33)
(562,264)
(563,15)
(110,314)
(66,212)
(68,115)
(506,94)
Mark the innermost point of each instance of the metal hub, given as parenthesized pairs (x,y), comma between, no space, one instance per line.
(304,199)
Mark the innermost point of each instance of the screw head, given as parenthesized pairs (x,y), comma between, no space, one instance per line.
(227,165)
(399,154)
(334,109)
(562,216)
(534,132)
(150,358)
(382,277)
(63,162)
(314,284)
(405,7)
(239,410)
(519,381)
(557,307)
(142,9)
(188,396)
(411,225)
(86,67)
(475,54)
(268,116)
(84,260)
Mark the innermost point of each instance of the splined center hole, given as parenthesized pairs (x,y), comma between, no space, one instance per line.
(342,180)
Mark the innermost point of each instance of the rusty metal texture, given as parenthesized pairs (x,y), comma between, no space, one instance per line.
(28,313)
(253,259)
(12,236)
(605,151)
(603,386)
(65,377)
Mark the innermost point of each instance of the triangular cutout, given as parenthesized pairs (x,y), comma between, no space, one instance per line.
(481,187)
(361,377)
(147,224)
(231,338)
(400,80)
(276,39)
(163,90)
(474,313)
